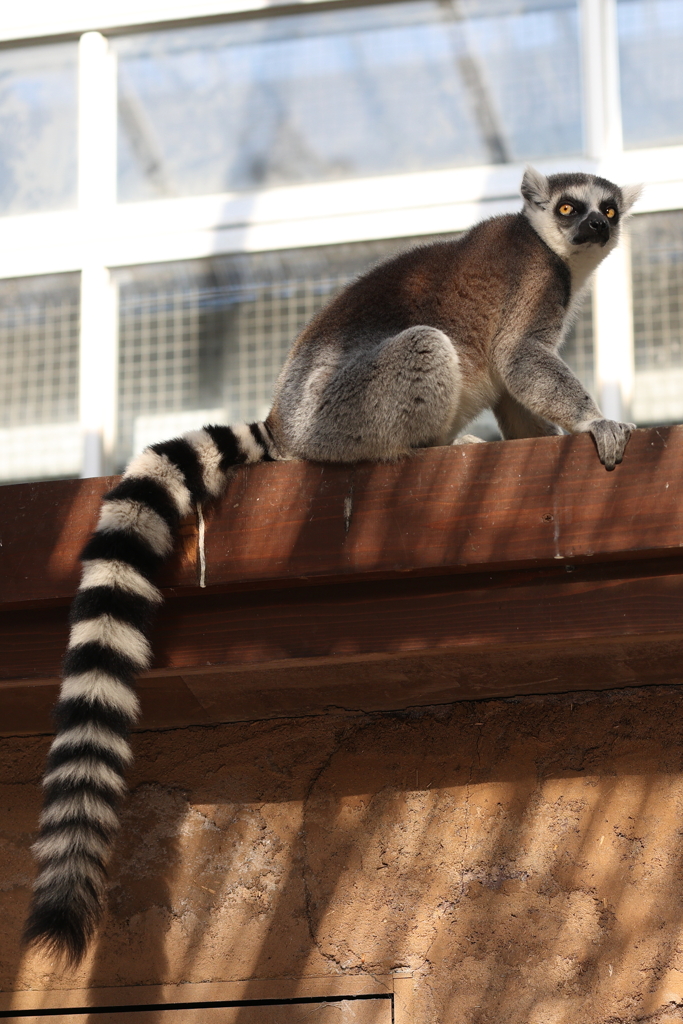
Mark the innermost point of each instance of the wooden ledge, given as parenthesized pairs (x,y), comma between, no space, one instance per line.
(480,570)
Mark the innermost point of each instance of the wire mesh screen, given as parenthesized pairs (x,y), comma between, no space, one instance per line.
(208,337)
(39,325)
(657,262)
(39,340)
(205,339)
(578,348)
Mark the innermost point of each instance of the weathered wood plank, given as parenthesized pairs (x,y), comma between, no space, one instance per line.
(367,621)
(315,686)
(445,510)
(479,507)
(370,620)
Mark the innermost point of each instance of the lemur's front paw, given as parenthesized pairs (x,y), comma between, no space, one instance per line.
(611,438)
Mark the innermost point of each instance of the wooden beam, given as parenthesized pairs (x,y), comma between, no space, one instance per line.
(152,997)
(445,510)
(369,620)
(495,569)
(377,646)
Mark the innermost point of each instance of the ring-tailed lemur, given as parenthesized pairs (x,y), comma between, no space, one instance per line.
(402,358)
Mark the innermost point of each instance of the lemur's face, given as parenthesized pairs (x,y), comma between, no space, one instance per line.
(586,216)
(576,212)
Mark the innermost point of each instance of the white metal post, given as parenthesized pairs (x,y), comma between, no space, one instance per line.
(600,69)
(612,304)
(613,332)
(96,203)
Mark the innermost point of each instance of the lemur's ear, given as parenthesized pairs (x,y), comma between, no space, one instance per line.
(535,187)
(629,195)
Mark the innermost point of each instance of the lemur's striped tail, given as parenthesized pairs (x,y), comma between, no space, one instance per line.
(110,616)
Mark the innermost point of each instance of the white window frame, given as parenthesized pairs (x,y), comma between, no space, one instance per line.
(102,234)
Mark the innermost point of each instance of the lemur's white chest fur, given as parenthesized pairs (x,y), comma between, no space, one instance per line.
(581,260)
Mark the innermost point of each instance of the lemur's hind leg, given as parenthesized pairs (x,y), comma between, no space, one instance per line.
(400,394)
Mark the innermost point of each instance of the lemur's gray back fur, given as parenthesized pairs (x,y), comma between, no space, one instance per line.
(403,358)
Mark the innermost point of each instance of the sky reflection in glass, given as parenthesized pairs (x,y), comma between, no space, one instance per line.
(347,93)
(651,68)
(38,92)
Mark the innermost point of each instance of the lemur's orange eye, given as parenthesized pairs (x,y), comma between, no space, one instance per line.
(610,212)
(566,209)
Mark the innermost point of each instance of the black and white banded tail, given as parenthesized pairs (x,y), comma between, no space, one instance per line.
(108,647)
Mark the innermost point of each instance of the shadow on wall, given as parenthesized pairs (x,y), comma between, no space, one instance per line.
(521,857)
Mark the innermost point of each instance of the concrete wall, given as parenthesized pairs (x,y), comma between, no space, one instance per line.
(522,858)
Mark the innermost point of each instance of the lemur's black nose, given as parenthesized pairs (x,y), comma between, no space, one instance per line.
(593,228)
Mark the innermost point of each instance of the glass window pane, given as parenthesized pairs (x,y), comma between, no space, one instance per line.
(38,87)
(39,339)
(651,69)
(337,94)
(657,260)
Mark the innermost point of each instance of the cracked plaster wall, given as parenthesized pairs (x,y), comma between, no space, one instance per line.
(521,857)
